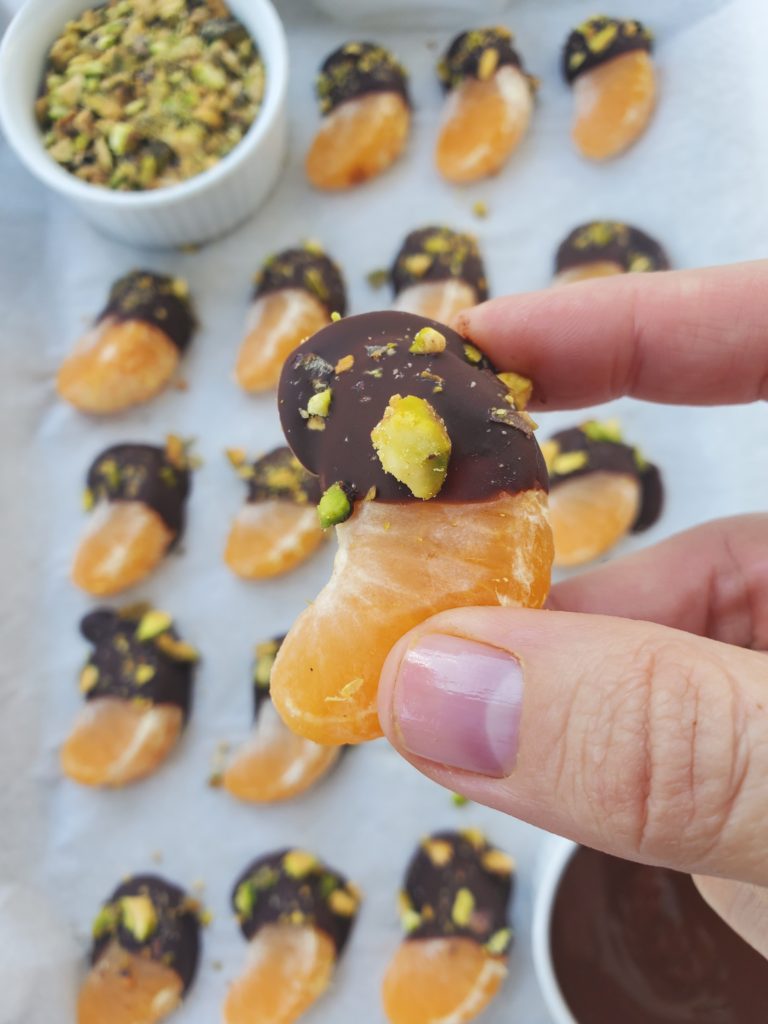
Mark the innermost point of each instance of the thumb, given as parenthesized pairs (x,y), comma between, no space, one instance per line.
(627,736)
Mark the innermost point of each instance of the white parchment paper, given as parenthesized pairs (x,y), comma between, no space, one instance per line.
(697,181)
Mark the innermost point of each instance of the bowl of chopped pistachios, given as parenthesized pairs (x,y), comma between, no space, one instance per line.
(163,121)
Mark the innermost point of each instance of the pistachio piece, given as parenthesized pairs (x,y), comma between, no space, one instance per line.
(299,863)
(138,916)
(413,445)
(520,388)
(334,507)
(152,624)
(463,905)
(320,403)
(427,341)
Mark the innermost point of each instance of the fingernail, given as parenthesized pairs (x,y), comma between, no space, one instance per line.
(459,702)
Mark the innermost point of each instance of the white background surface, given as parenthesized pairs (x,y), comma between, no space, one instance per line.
(697,181)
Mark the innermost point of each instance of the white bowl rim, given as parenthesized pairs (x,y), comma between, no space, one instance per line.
(560,852)
(38,161)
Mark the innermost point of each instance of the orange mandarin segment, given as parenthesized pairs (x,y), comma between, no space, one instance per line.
(118,364)
(440,981)
(288,967)
(590,514)
(438,300)
(128,988)
(358,140)
(123,542)
(115,741)
(493,552)
(277,323)
(613,104)
(483,123)
(587,271)
(271,537)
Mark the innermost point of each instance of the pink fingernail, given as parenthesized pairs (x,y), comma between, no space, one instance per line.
(459,702)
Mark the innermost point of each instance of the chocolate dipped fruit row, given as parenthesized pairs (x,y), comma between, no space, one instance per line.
(137,685)
(145,952)
(296,914)
(274,763)
(608,63)
(604,248)
(488,108)
(133,349)
(437,488)
(136,497)
(454,908)
(296,291)
(437,273)
(601,489)
(362,90)
(278,528)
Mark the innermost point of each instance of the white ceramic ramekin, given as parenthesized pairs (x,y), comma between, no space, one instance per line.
(196,210)
(558,854)
(412,13)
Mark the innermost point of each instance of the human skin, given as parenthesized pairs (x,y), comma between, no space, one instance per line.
(633,715)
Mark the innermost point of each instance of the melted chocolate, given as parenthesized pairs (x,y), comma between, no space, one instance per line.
(175,940)
(142,472)
(356,69)
(611,241)
(439,254)
(156,299)
(639,945)
(312,271)
(488,457)
(465,57)
(122,661)
(276,895)
(280,476)
(445,864)
(612,457)
(600,39)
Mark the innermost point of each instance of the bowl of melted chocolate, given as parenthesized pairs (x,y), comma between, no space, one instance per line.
(623,943)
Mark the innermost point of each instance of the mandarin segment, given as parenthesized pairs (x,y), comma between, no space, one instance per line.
(128,988)
(587,271)
(614,102)
(590,514)
(270,538)
(437,300)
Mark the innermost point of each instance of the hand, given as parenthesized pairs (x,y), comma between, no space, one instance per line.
(644,691)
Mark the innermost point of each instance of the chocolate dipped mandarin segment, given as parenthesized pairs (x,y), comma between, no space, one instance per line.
(145,953)
(605,247)
(454,909)
(297,914)
(309,269)
(437,273)
(423,458)
(608,63)
(133,349)
(278,528)
(362,91)
(489,105)
(274,764)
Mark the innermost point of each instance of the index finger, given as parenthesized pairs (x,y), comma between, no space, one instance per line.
(696,337)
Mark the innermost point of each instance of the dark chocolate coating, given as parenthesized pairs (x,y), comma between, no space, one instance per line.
(280,476)
(462,58)
(488,457)
(156,299)
(639,945)
(142,472)
(176,939)
(356,69)
(439,254)
(117,654)
(611,241)
(278,897)
(432,888)
(600,39)
(266,653)
(313,272)
(613,457)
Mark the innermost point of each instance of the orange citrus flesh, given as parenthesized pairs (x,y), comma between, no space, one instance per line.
(397,565)
(590,514)
(440,981)
(127,988)
(358,140)
(277,323)
(600,268)
(614,103)
(123,543)
(271,537)
(114,742)
(288,967)
(438,300)
(276,764)
(483,123)
(116,365)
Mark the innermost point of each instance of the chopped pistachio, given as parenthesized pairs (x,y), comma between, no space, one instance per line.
(603,430)
(550,450)
(344,364)
(179,650)
(138,916)
(474,836)
(418,263)
(342,903)
(480,208)
(334,507)
(106,921)
(498,862)
(520,388)
(152,624)
(320,403)
(245,899)
(427,341)
(488,63)
(459,800)
(499,942)
(439,851)
(472,354)
(410,920)
(236,456)
(640,460)
(413,445)
(377,278)
(89,677)
(569,462)
(335,316)
(299,863)
(463,905)
(144,674)
(88,499)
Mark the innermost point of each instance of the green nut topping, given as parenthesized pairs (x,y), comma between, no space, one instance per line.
(320,403)
(106,921)
(603,430)
(463,905)
(334,507)
(427,342)
(152,624)
(499,942)
(138,916)
(299,863)
(412,443)
(245,899)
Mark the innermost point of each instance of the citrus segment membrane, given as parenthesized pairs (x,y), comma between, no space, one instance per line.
(613,105)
